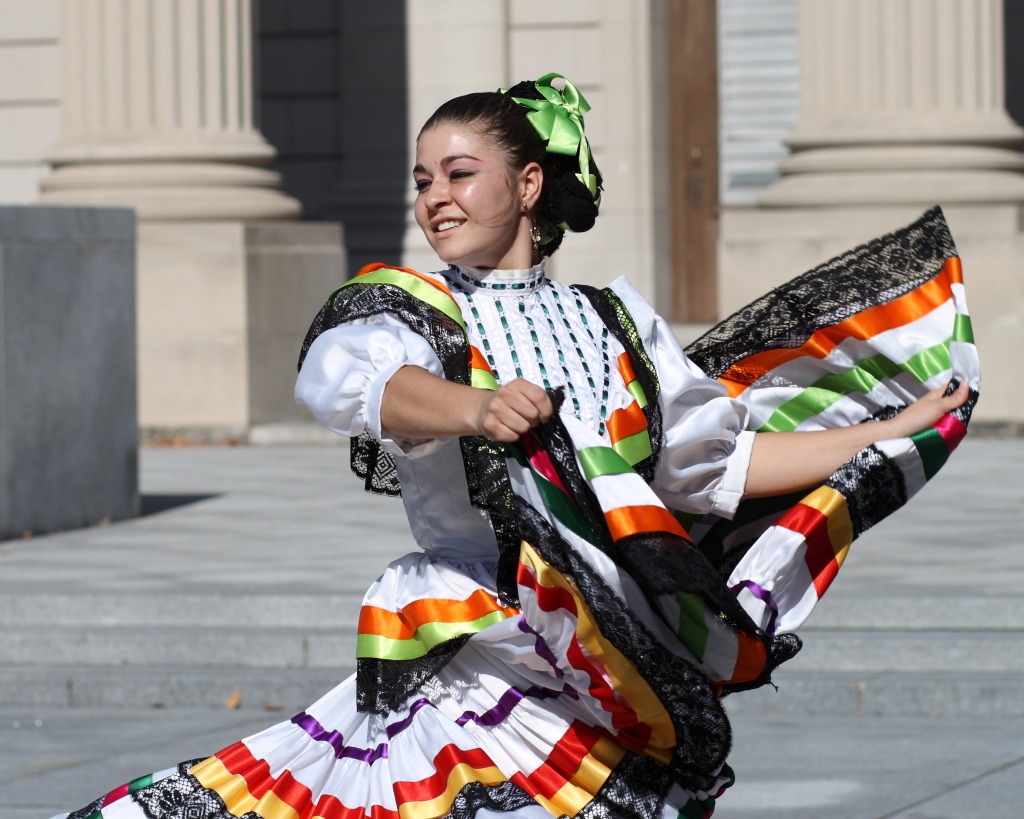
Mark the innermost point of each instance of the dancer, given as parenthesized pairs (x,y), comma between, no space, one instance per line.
(611,537)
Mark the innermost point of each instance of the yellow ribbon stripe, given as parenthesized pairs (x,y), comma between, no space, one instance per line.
(627,683)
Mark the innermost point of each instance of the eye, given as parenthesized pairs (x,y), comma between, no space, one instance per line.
(421,185)
(460,174)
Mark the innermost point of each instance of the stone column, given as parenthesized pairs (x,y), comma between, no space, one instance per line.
(157,112)
(901,101)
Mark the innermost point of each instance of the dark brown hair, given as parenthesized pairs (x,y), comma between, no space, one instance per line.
(565,203)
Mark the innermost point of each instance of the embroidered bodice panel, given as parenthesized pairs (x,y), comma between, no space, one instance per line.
(546,332)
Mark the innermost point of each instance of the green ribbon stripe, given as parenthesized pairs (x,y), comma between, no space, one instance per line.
(932,448)
(634,448)
(414,286)
(481,379)
(637,391)
(427,636)
(963,330)
(602,460)
(863,377)
(564,510)
(692,630)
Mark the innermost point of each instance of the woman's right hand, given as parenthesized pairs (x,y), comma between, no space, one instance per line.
(513,409)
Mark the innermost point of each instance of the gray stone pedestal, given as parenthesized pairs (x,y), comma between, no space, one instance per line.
(68,431)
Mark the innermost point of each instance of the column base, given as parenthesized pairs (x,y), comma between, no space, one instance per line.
(223,308)
(173,191)
(761,248)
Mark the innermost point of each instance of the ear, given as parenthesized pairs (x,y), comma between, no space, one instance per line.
(531,180)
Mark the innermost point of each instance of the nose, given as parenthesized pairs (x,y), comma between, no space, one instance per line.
(439,194)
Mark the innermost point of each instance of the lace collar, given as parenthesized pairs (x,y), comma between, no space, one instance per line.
(498,282)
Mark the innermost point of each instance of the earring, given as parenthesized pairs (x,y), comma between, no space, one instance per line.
(534,234)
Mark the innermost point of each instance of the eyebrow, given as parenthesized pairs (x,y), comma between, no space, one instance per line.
(448,160)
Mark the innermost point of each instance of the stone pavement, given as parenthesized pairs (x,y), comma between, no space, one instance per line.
(121,647)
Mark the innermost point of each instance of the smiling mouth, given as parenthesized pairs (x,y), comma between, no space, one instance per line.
(446,225)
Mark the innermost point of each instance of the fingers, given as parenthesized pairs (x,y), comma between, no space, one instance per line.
(947,403)
(514,409)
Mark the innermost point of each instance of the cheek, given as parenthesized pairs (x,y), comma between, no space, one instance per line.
(420,213)
(494,206)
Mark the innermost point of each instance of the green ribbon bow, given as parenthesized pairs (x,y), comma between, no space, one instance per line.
(558,119)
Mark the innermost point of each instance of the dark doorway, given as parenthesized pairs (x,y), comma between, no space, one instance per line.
(333,94)
(1013,43)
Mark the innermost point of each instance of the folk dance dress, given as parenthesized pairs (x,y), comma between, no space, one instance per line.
(581,601)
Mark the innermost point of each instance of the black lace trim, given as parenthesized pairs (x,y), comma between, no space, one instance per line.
(178,796)
(873,273)
(637,789)
(490,490)
(501,798)
(617,319)
(383,686)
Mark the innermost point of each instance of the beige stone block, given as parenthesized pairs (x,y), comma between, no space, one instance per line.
(288,282)
(27,131)
(576,53)
(19,184)
(454,47)
(37,20)
(546,13)
(29,72)
(191,313)
(223,308)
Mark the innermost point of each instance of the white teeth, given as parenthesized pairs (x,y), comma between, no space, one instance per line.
(451,223)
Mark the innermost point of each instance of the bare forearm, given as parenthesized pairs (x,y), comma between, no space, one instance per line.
(419,406)
(783,462)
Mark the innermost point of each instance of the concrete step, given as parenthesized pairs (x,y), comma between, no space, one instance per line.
(227,608)
(289,690)
(846,607)
(184,646)
(951,694)
(910,652)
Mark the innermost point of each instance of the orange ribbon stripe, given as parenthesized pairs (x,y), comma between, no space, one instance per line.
(375,266)
(626,421)
(403,624)
(863,325)
(630,520)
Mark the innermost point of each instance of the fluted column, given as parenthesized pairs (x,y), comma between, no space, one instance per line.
(902,101)
(157,112)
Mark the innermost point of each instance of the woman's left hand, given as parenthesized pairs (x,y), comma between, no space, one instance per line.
(783,462)
(926,411)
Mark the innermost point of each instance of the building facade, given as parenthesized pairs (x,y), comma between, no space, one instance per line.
(741,141)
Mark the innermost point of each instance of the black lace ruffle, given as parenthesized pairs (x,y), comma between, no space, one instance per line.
(871,274)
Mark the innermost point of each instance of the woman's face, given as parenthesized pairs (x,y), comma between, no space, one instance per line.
(468,205)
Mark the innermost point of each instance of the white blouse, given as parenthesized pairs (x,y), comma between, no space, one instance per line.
(528,326)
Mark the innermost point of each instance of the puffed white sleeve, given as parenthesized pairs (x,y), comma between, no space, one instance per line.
(346,369)
(706,448)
